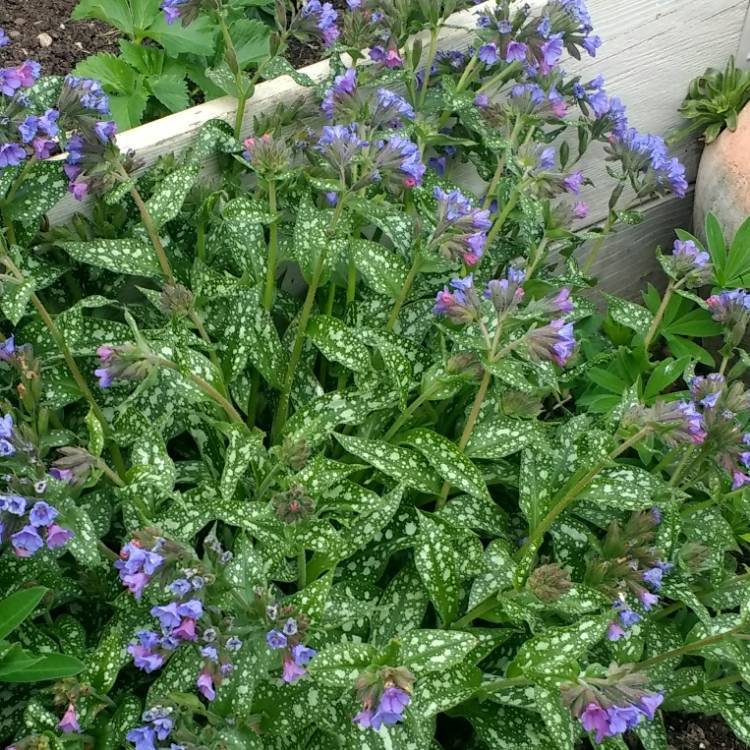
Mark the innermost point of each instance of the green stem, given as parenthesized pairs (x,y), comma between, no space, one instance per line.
(102,466)
(468,429)
(486,605)
(204,386)
(299,340)
(406,413)
(500,78)
(537,257)
(504,214)
(682,465)
(430,58)
(569,496)
(687,649)
(672,287)
(724,363)
(404,293)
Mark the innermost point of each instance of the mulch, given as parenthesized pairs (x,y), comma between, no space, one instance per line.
(691,732)
(72,41)
(69,41)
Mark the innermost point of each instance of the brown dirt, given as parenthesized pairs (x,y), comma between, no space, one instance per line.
(72,41)
(690,732)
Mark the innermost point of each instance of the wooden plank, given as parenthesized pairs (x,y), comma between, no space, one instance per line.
(627,262)
(647,60)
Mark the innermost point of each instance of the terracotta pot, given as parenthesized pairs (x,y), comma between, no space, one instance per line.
(723,183)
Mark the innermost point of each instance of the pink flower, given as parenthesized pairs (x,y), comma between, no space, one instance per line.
(57,536)
(205,683)
(291,672)
(69,722)
(595,719)
(185,630)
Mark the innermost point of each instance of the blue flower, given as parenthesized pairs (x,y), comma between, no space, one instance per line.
(275,639)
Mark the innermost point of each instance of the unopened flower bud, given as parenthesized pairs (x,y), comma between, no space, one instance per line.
(550,582)
(176,300)
(293,505)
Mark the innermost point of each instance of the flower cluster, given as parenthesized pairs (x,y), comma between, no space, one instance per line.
(138,563)
(461,229)
(731,308)
(28,524)
(385,694)
(317,18)
(688,264)
(158,726)
(287,636)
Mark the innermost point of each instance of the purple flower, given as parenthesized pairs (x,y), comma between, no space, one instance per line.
(233,643)
(516,51)
(26,542)
(42,514)
(364,718)
(302,654)
(172,9)
(180,587)
(344,87)
(650,703)
(615,631)
(14,504)
(167,615)
(653,577)
(163,727)
(135,583)
(144,658)
(574,182)
(57,536)
(4,39)
(192,609)
(11,154)
(105,130)
(324,15)
(148,638)
(205,684)
(580,210)
(388,57)
(551,51)
(185,630)
(628,617)
(6,448)
(489,53)
(43,148)
(6,426)
(142,737)
(623,718)
(392,106)
(648,600)
(69,722)
(10,81)
(226,669)
(28,73)
(28,128)
(591,44)
(275,639)
(546,158)
(482,101)
(554,341)
(595,719)
(290,627)
(48,123)
(8,348)
(210,653)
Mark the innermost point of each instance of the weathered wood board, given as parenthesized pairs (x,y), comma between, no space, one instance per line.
(647,59)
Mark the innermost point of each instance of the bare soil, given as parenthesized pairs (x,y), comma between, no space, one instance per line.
(690,732)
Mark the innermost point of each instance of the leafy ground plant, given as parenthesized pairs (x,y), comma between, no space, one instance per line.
(436,499)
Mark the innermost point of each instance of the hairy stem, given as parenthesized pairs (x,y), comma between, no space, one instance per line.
(204,386)
(571,495)
(428,69)
(406,413)
(672,287)
(404,293)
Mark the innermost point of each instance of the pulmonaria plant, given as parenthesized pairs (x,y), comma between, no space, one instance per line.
(335,449)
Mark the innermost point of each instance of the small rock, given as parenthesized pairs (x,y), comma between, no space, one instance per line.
(15,34)
(44,39)
(19,21)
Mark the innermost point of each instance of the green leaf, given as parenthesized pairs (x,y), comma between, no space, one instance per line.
(553,648)
(435,559)
(15,608)
(340,665)
(48,667)
(664,374)
(653,734)
(440,691)
(424,651)
(448,461)
(509,728)
(112,12)
(399,463)
(383,270)
(196,39)
(716,246)
(557,717)
(126,256)
(243,445)
(42,187)
(628,314)
(401,607)
(127,111)
(251,41)
(15,298)
(497,575)
(738,262)
(625,487)
(126,716)
(166,201)
(391,220)
(734,706)
(171,90)
(501,436)
(112,71)
(338,343)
